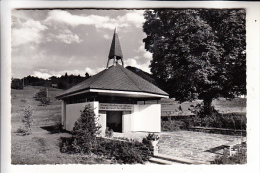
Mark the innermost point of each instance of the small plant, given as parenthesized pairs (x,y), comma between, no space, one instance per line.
(23,131)
(27,121)
(109,133)
(152,137)
(240,157)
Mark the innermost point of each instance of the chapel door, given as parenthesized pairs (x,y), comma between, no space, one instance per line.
(114,120)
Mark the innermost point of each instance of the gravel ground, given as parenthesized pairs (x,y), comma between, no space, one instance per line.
(194,145)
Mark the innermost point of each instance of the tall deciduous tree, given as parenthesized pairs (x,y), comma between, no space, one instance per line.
(197,53)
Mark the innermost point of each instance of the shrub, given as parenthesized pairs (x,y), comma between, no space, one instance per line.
(240,157)
(236,121)
(173,125)
(123,152)
(126,152)
(228,121)
(42,93)
(45,101)
(66,145)
(42,97)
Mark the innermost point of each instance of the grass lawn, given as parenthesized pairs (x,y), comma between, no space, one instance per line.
(172,107)
(41,147)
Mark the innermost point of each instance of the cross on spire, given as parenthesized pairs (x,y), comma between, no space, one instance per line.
(115,52)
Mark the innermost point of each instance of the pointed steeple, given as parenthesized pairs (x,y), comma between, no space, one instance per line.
(115,50)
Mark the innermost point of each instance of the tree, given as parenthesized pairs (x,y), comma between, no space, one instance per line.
(85,130)
(229,25)
(194,52)
(87,75)
(17,84)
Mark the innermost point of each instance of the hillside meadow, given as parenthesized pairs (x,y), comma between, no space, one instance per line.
(41,146)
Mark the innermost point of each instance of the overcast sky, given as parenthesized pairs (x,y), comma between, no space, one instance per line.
(53,42)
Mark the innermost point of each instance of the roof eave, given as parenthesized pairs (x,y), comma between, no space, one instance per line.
(116,92)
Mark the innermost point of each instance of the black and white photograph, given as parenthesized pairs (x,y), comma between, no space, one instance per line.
(146,86)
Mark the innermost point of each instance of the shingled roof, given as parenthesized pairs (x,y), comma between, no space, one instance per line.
(115,78)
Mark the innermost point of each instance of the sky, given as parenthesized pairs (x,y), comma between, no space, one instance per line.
(49,43)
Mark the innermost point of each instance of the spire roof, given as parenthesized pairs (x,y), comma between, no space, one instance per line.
(115,49)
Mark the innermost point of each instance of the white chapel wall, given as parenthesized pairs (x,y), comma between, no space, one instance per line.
(147,118)
(73,113)
(102,121)
(126,122)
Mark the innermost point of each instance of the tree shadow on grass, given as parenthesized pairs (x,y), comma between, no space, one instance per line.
(218,149)
(55,129)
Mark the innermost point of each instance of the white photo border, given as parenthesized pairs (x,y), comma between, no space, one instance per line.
(252,38)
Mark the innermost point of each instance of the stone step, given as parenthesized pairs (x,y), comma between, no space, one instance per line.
(162,161)
(178,160)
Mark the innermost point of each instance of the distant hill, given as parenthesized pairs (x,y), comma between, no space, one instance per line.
(142,74)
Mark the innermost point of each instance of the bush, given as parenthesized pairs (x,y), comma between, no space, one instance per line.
(126,152)
(123,152)
(173,125)
(17,84)
(240,157)
(45,101)
(228,121)
(42,97)
(235,121)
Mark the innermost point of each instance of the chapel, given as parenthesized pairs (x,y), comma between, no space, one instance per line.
(118,97)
